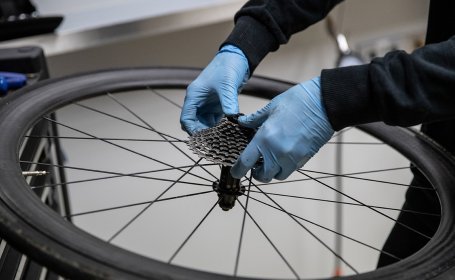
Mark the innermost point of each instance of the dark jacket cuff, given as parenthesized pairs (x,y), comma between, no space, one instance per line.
(253,39)
(346,96)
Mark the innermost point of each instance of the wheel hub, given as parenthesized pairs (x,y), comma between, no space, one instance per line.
(223,144)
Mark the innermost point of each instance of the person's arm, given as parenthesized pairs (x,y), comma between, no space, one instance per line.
(261,26)
(400,88)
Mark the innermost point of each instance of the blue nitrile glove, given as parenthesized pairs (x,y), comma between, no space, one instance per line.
(292,128)
(214,92)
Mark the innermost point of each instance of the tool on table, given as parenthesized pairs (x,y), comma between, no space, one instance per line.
(11,80)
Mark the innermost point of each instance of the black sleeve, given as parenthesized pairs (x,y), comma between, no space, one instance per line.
(399,88)
(262,25)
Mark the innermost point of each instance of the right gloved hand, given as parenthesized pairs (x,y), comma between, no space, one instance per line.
(214,92)
(292,128)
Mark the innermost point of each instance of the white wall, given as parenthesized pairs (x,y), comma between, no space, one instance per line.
(302,58)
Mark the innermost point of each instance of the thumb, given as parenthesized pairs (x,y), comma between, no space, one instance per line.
(256,119)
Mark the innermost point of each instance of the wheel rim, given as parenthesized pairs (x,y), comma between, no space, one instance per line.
(107,256)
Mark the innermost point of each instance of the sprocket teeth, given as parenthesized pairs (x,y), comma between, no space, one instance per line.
(221,144)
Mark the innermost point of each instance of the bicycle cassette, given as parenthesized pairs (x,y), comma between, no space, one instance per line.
(222,143)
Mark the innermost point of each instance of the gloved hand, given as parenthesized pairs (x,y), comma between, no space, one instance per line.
(293,126)
(214,92)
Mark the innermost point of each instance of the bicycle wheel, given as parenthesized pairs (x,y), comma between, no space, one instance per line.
(180,247)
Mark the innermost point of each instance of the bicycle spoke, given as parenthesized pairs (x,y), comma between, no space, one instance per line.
(242,228)
(135,204)
(102,138)
(119,146)
(368,171)
(124,120)
(328,229)
(123,105)
(350,203)
(150,204)
(116,175)
(355,143)
(339,216)
(269,240)
(347,175)
(309,231)
(375,210)
(367,179)
(192,233)
(165,98)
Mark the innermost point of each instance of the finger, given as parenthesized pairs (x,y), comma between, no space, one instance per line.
(246,161)
(228,99)
(289,168)
(188,120)
(234,77)
(284,174)
(266,171)
(194,128)
(228,95)
(188,115)
(256,119)
(210,119)
(191,124)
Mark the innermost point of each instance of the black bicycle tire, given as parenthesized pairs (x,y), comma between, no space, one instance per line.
(46,237)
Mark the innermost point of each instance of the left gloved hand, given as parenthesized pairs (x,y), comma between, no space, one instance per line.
(293,126)
(214,92)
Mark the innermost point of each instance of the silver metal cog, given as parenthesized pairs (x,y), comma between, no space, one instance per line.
(222,143)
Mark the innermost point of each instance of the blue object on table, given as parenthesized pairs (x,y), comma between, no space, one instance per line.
(214,92)
(11,80)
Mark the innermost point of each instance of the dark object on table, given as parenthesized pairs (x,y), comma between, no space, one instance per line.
(19,18)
